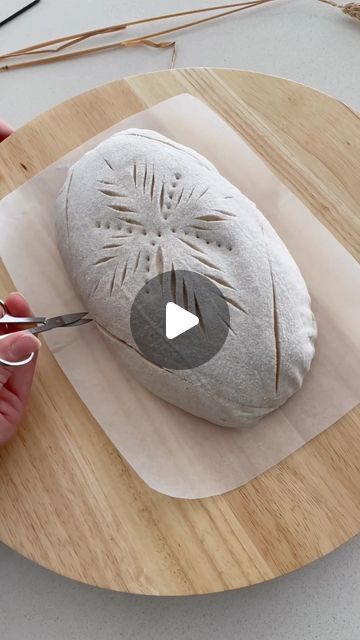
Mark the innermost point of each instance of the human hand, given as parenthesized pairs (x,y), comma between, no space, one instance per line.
(15,382)
(5,130)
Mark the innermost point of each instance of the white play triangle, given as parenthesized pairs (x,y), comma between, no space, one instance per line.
(178,320)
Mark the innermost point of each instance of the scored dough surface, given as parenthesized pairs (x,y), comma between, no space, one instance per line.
(140,204)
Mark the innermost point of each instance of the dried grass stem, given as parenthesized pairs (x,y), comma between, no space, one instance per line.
(145,40)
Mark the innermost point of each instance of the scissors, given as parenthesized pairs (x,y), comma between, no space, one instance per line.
(41,324)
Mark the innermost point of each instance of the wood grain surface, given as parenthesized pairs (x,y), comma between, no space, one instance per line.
(68,500)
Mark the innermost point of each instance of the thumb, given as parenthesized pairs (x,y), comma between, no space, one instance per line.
(13,348)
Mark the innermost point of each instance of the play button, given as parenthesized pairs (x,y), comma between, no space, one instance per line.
(179,319)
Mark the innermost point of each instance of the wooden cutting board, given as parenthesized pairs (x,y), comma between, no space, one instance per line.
(68,500)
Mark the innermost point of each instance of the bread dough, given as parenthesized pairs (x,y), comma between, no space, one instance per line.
(139,204)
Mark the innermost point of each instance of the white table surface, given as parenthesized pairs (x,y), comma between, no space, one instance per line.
(298,39)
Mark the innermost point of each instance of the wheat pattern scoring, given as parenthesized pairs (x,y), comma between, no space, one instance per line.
(147,221)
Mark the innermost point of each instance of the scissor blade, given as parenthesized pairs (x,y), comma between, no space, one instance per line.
(69,320)
(80,322)
(65,320)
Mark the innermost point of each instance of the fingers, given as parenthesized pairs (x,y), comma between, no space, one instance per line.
(14,348)
(15,383)
(5,130)
(9,419)
(17,304)
(17,346)
(21,377)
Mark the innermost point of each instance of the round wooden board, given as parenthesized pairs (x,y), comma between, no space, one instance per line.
(67,499)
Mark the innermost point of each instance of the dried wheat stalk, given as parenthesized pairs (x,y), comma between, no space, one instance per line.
(145,40)
(351,9)
(84,35)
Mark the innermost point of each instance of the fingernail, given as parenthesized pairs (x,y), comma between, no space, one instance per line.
(17,293)
(24,345)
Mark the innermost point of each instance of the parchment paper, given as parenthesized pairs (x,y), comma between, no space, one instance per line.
(172,451)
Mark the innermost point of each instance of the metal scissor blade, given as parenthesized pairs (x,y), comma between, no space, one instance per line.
(67,320)
(80,322)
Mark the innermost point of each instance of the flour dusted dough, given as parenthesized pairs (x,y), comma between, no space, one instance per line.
(139,191)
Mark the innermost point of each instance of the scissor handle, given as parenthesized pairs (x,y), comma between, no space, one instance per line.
(5,311)
(7,363)
(19,363)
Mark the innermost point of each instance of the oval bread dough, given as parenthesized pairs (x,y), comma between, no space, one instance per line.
(116,201)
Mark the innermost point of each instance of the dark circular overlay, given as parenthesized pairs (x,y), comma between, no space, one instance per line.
(194,293)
